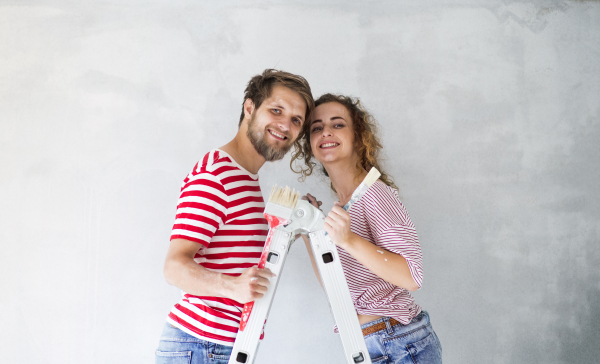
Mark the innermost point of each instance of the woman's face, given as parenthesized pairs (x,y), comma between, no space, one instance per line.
(332,134)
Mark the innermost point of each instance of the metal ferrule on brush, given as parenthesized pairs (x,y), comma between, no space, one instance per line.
(282,212)
(281,203)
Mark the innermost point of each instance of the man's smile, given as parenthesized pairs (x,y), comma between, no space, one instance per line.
(277,135)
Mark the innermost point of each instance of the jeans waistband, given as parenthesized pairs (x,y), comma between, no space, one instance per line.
(422,319)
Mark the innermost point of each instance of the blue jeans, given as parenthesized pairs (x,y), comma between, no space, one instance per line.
(178,347)
(414,343)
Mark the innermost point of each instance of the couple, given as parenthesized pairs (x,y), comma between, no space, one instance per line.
(220,230)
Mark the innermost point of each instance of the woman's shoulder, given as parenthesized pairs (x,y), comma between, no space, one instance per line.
(383,203)
(379,191)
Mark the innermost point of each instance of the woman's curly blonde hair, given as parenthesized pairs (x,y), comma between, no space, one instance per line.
(365,133)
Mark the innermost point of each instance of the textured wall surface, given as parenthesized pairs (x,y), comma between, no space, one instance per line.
(490,118)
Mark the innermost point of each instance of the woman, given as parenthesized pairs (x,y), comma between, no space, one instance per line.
(376,239)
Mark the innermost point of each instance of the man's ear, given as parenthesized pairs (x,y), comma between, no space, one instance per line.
(248,108)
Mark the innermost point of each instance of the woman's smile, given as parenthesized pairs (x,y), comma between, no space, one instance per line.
(328,145)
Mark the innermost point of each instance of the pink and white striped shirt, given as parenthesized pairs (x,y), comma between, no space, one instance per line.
(220,208)
(380,218)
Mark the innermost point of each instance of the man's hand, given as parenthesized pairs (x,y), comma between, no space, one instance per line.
(313,200)
(337,225)
(251,285)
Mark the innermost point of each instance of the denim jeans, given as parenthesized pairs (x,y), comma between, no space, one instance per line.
(178,347)
(414,343)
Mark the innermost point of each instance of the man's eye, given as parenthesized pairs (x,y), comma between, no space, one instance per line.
(297,121)
(276,111)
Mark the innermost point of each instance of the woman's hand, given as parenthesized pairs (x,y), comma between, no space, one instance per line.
(337,225)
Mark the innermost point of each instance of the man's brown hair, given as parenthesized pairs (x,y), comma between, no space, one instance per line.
(260,86)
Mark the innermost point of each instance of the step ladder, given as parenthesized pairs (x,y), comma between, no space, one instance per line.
(307,219)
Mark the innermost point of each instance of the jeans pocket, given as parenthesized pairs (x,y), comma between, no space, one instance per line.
(376,348)
(425,350)
(173,357)
(218,353)
(379,360)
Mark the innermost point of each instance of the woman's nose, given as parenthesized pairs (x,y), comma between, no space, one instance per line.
(326,131)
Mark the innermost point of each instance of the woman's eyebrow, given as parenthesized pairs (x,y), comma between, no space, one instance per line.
(333,118)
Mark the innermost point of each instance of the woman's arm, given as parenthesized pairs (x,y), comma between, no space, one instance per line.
(387,265)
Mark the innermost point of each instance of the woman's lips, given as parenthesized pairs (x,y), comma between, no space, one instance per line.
(328,145)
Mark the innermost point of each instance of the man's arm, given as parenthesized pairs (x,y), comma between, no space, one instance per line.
(182,271)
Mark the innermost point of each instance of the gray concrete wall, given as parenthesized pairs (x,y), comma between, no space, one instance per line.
(490,119)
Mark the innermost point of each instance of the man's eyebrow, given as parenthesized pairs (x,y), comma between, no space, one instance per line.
(277,105)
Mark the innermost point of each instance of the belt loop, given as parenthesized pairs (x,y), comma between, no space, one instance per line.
(388,327)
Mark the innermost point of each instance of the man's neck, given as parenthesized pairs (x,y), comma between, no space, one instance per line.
(241,149)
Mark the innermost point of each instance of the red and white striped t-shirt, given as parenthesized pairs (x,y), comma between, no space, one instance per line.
(221,208)
(380,218)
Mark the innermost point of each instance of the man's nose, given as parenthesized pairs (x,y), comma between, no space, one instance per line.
(284,124)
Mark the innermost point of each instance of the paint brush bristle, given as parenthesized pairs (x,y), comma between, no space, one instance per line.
(371,177)
(282,202)
(284,196)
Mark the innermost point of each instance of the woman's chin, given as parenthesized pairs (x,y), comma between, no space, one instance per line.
(324,160)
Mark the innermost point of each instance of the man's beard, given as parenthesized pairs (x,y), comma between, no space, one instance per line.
(258,138)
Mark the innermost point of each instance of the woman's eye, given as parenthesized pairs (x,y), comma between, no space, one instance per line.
(316,129)
(276,111)
(339,126)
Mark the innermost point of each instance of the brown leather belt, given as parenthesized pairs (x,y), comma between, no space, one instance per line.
(380,326)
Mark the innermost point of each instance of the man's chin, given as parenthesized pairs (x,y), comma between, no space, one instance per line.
(272,154)
(270,150)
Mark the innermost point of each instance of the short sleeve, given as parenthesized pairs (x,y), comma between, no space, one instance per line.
(392,228)
(402,239)
(201,209)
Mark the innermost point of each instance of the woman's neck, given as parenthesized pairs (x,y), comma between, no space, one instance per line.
(345,178)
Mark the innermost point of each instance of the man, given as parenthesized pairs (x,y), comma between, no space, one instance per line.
(220,230)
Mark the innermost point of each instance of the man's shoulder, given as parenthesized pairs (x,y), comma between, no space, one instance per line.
(215,163)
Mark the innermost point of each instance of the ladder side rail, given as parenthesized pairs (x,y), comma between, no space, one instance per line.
(338,294)
(246,342)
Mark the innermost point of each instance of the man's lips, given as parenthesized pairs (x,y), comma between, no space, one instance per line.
(277,135)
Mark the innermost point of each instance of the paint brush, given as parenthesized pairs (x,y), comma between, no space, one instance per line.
(371,177)
(278,212)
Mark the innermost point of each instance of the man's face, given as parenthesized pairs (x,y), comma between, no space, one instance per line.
(276,124)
